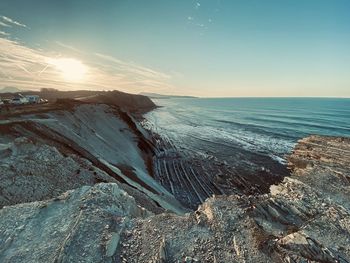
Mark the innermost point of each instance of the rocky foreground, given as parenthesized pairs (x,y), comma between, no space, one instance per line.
(306,218)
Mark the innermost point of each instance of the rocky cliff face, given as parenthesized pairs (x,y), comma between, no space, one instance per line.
(306,218)
(46,153)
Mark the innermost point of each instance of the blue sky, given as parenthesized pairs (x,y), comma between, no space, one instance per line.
(204,48)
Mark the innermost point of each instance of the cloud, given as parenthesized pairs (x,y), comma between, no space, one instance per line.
(29,68)
(134,68)
(59,43)
(4,24)
(11,21)
(4,33)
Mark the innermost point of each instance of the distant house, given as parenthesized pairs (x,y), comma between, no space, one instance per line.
(33,99)
(19,99)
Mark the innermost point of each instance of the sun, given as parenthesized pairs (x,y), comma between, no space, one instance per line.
(72,70)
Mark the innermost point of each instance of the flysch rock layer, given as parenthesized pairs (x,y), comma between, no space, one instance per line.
(306,218)
(45,154)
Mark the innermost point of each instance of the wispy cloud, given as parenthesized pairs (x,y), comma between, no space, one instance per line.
(8,21)
(61,44)
(133,68)
(28,68)
(4,24)
(4,33)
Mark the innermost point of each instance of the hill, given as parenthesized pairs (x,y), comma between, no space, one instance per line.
(10,90)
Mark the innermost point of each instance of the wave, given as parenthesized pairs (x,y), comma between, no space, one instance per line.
(286,133)
(303,124)
(251,128)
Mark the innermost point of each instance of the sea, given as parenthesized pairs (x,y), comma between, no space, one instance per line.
(255,131)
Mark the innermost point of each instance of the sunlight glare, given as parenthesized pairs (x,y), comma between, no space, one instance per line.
(71,69)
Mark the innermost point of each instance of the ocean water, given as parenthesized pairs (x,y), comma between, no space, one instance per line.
(257,131)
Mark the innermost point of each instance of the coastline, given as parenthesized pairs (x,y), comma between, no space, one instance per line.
(194,178)
(82,177)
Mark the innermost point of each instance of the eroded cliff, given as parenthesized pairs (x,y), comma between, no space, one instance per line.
(129,217)
(46,153)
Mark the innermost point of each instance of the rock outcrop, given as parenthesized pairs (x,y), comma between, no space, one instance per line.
(305,218)
(82,225)
(32,171)
(324,163)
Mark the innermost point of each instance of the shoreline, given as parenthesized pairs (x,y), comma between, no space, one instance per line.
(193,178)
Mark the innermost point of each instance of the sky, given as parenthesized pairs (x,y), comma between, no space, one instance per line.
(209,48)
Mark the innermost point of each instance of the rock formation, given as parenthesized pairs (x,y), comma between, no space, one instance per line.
(47,153)
(74,188)
(82,225)
(303,219)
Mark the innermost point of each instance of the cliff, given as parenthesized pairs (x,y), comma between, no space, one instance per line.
(76,187)
(46,153)
(130,102)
